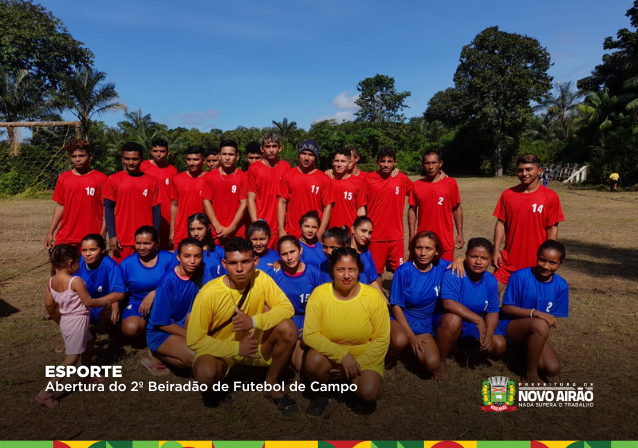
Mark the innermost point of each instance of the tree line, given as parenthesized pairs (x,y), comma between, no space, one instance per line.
(503,103)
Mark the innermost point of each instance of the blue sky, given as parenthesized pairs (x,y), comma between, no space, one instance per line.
(211,64)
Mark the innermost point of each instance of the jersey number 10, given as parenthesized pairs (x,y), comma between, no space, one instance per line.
(90,191)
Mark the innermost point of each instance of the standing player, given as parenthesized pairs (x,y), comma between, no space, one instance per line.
(212,159)
(349,191)
(187,194)
(386,201)
(131,200)
(303,189)
(253,153)
(163,172)
(263,180)
(78,193)
(224,195)
(526,216)
(614,180)
(437,203)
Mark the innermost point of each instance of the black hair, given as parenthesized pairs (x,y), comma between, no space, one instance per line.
(189,242)
(213,152)
(341,234)
(133,147)
(237,244)
(230,143)
(430,235)
(96,238)
(552,245)
(161,142)
(258,226)
(198,275)
(387,152)
(196,150)
(429,152)
(344,152)
(342,252)
(529,158)
(208,240)
(361,220)
(480,242)
(148,230)
(288,239)
(253,148)
(312,214)
(61,254)
(354,151)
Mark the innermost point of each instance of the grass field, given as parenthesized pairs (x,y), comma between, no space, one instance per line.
(596,344)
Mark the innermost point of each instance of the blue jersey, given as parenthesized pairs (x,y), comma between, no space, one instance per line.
(479,297)
(174,298)
(312,255)
(417,293)
(369,269)
(269,258)
(213,261)
(524,291)
(299,288)
(140,280)
(325,274)
(103,280)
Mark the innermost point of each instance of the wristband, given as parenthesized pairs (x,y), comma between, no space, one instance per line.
(531,313)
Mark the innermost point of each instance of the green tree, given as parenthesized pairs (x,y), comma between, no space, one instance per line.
(32,39)
(140,128)
(379,100)
(444,107)
(560,105)
(601,110)
(499,75)
(285,128)
(542,128)
(85,93)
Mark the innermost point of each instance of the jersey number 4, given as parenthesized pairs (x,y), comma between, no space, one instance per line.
(145,192)
(537,208)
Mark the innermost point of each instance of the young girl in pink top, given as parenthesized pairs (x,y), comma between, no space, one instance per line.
(67,301)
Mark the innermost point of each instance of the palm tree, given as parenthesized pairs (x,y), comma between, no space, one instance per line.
(561,104)
(600,109)
(139,127)
(542,129)
(86,94)
(285,128)
(21,99)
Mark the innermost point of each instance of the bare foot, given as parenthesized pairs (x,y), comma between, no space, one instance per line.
(440,374)
(532,378)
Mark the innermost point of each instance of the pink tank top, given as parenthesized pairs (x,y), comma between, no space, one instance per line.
(69,301)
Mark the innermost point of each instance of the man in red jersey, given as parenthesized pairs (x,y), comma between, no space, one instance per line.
(263,180)
(225,195)
(78,193)
(349,191)
(526,216)
(131,200)
(253,153)
(163,172)
(386,202)
(187,194)
(302,189)
(212,159)
(437,203)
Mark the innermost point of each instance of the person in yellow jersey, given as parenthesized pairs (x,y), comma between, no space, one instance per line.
(242,318)
(347,330)
(614,180)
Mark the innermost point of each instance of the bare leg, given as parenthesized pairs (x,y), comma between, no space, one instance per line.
(174,351)
(279,343)
(533,334)
(209,370)
(318,367)
(134,327)
(499,345)
(398,343)
(548,364)
(446,335)
(369,386)
(298,357)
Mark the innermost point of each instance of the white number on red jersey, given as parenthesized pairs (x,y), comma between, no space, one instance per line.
(234,189)
(538,209)
(90,191)
(145,193)
(315,189)
(167,181)
(397,190)
(347,195)
(440,201)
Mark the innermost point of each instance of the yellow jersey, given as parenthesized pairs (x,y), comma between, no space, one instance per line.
(614,176)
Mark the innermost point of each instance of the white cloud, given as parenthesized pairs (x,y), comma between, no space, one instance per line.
(193,119)
(344,101)
(344,115)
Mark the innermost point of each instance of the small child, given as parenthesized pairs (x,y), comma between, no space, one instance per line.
(69,293)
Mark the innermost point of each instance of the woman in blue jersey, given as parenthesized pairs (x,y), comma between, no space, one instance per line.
(142,272)
(470,306)
(174,296)
(259,234)
(297,280)
(312,249)
(415,293)
(361,236)
(199,228)
(534,298)
(103,279)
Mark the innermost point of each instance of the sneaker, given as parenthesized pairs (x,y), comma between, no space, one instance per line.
(318,405)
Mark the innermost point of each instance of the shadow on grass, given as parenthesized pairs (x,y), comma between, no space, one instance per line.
(6,309)
(607,261)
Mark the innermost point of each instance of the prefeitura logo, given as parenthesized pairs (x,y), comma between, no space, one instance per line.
(498,394)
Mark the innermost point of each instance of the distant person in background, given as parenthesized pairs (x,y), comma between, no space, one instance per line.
(526,216)
(614,180)
(163,172)
(349,191)
(78,195)
(131,200)
(253,153)
(545,179)
(212,159)
(187,194)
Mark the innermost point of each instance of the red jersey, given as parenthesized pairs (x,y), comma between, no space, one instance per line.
(164,178)
(304,192)
(264,182)
(225,192)
(134,199)
(350,195)
(187,191)
(386,202)
(527,217)
(83,212)
(436,202)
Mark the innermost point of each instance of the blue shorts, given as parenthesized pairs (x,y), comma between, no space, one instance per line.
(469,329)
(155,339)
(298,320)
(94,315)
(502,327)
(420,326)
(132,309)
